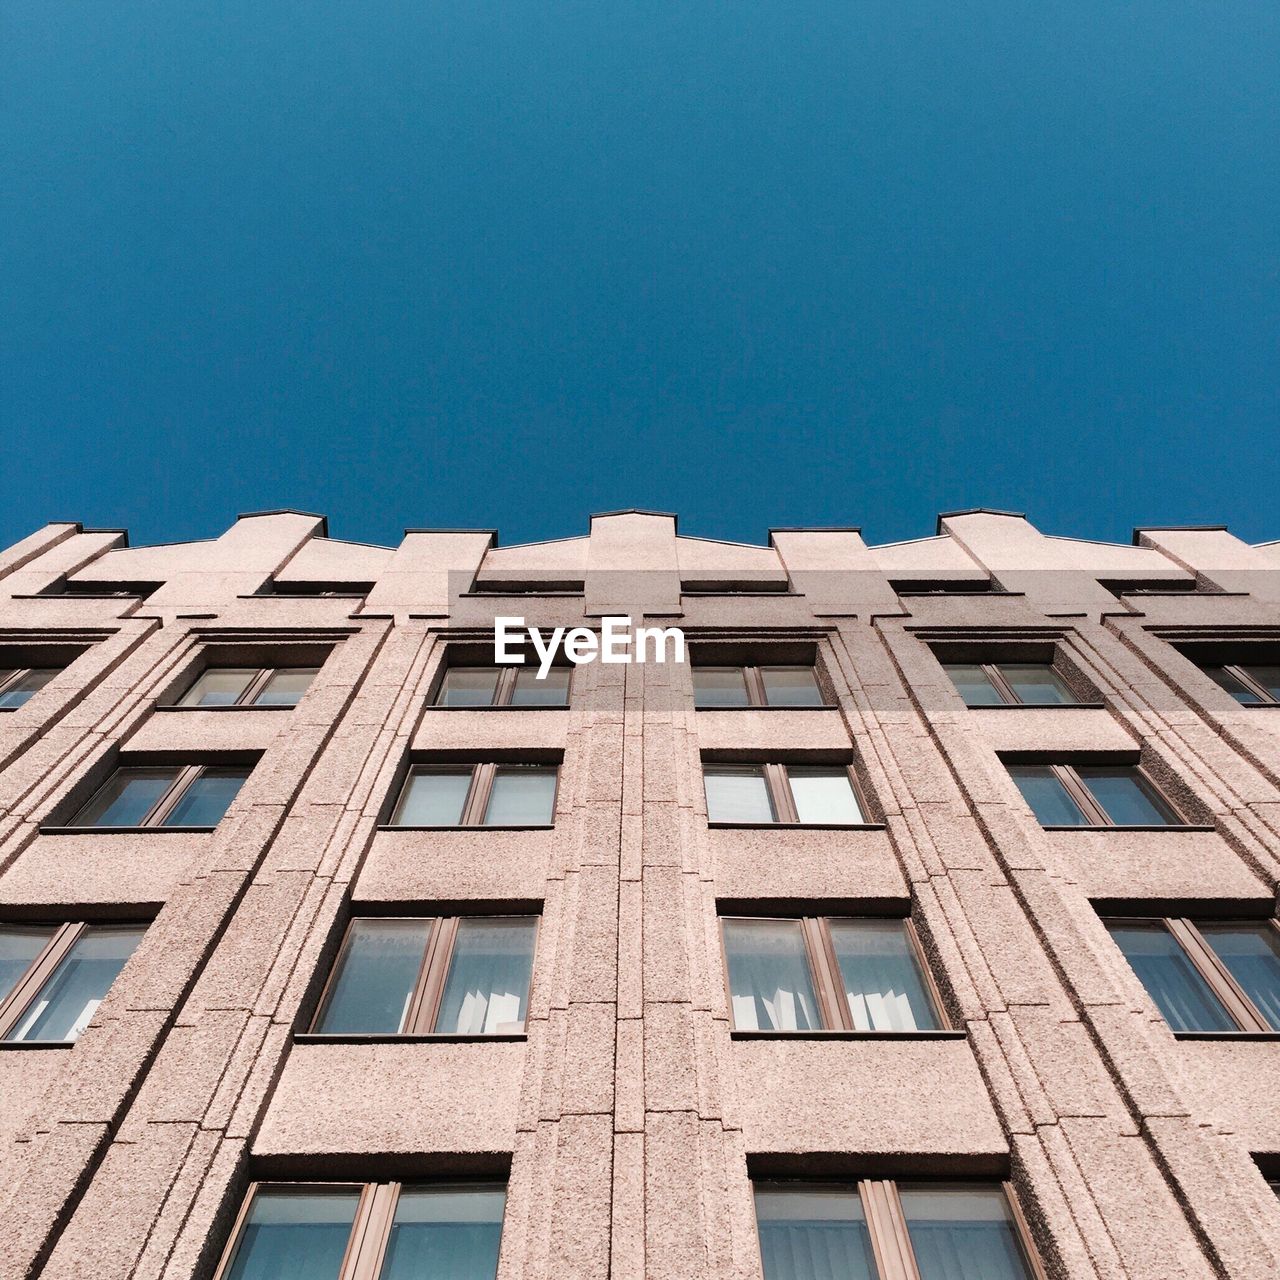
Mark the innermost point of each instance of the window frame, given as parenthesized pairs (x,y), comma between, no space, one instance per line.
(153,819)
(245,701)
(887,1228)
(1219,979)
(828,982)
(757,693)
(503,690)
(777,783)
(65,936)
(476,802)
(371,1222)
(430,983)
(16,675)
(1083,798)
(1240,674)
(1007,692)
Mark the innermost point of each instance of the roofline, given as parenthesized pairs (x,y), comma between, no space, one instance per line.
(814,528)
(975,511)
(1176,528)
(289,511)
(635,511)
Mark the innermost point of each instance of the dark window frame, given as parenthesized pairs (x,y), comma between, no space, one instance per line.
(1006,691)
(1240,673)
(504,688)
(479,792)
(1083,798)
(757,693)
(11,676)
(430,983)
(828,982)
(154,818)
(1222,985)
(371,1222)
(777,782)
(887,1225)
(256,684)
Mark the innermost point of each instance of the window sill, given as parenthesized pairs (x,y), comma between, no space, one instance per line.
(521,595)
(545,706)
(36,1044)
(799,706)
(797,826)
(1246,706)
(392,1037)
(1137,826)
(112,831)
(1036,706)
(249,707)
(1227,1035)
(519,826)
(943,1034)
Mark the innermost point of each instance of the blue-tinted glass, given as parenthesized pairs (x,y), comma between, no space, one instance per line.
(1250,954)
(770,986)
(64,1005)
(813,1233)
(972,683)
(1126,797)
(377,973)
(1048,798)
(719,687)
(25,687)
(445,1233)
(1170,978)
(434,798)
(737,793)
(1037,684)
(552,690)
(1241,693)
(467,687)
(522,795)
(206,799)
(219,687)
(285,688)
(126,798)
(791,687)
(20,944)
(962,1233)
(488,986)
(1267,676)
(295,1235)
(882,981)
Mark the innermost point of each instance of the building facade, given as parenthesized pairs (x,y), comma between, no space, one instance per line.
(920,924)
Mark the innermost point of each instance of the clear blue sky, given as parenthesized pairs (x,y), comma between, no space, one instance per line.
(504,264)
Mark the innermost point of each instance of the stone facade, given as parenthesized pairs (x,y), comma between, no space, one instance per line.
(629,1120)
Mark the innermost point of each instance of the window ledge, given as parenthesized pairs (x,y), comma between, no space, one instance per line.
(36,1044)
(393,1037)
(1227,1035)
(798,826)
(798,706)
(520,595)
(943,1034)
(1247,706)
(1036,706)
(546,706)
(112,831)
(496,826)
(1137,826)
(248,707)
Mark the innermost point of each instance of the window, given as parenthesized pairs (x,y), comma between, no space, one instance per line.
(755,687)
(941,586)
(811,795)
(163,796)
(1208,975)
(480,795)
(19,685)
(1257,684)
(249,687)
(503,687)
(990,684)
(735,586)
(318,590)
(378,1231)
(447,976)
(832,974)
(53,977)
(918,1231)
(528,587)
(1110,795)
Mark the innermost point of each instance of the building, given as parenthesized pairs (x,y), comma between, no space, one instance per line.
(921,924)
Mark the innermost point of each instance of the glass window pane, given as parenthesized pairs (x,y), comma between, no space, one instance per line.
(1126,797)
(813,1233)
(285,688)
(1049,799)
(218,687)
(553,691)
(791,687)
(76,988)
(488,985)
(1037,684)
(468,687)
(20,944)
(24,688)
(377,974)
(126,798)
(719,687)
(1170,978)
(962,1232)
(445,1233)
(737,793)
(823,794)
(1233,686)
(1252,957)
(770,985)
(1267,676)
(295,1235)
(522,795)
(433,798)
(206,799)
(972,683)
(882,980)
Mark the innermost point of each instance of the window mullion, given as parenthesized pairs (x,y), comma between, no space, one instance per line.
(359,1229)
(1217,975)
(164,806)
(41,969)
(477,801)
(890,1242)
(255,686)
(371,1233)
(1242,674)
(413,1018)
(779,785)
(822,962)
(1081,795)
(12,677)
(1002,686)
(756,694)
(437,973)
(505,688)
